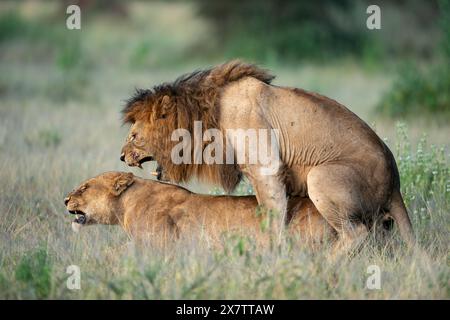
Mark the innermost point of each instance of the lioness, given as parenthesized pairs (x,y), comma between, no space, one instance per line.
(326,152)
(146,208)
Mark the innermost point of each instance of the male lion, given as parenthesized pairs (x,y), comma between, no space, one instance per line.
(326,152)
(146,208)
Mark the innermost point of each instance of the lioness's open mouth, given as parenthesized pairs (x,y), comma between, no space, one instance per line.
(80,216)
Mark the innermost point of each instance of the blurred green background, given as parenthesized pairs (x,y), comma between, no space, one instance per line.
(412,48)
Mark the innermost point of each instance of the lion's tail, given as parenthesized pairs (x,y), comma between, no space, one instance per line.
(400,215)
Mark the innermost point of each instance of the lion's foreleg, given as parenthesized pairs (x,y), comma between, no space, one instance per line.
(270,192)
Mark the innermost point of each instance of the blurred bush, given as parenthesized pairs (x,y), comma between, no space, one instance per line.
(114,7)
(283,29)
(290,30)
(11,24)
(42,39)
(41,57)
(445,27)
(417,91)
(15,26)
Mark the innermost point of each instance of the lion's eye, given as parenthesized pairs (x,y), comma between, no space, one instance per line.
(133,136)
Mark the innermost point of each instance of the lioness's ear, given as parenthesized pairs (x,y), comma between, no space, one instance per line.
(165,106)
(121,183)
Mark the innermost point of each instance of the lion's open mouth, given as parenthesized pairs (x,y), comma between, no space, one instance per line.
(145,159)
(80,216)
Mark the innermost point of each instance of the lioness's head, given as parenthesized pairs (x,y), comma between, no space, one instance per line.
(97,199)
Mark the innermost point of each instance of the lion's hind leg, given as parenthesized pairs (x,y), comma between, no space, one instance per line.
(335,190)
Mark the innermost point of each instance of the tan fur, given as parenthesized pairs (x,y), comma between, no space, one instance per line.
(327,152)
(155,210)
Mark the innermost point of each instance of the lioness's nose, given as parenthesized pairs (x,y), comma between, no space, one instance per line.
(122,157)
(66,200)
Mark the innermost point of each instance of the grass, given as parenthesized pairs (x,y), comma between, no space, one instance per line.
(53,137)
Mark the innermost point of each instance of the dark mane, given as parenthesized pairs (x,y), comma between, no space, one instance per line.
(138,95)
(200,88)
(193,96)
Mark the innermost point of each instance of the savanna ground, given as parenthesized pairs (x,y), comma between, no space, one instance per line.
(60,97)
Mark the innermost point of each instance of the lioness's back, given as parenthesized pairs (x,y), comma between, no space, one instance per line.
(218,214)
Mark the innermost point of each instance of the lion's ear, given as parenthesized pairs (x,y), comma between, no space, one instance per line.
(121,183)
(165,100)
(166,106)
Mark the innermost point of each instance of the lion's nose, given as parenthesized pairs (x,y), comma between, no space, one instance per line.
(66,200)
(122,157)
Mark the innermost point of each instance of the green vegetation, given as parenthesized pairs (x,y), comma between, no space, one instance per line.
(49,138)
(424,172)
(424,175)
(418,92)
(293,31)
(33,274)
(289,30)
